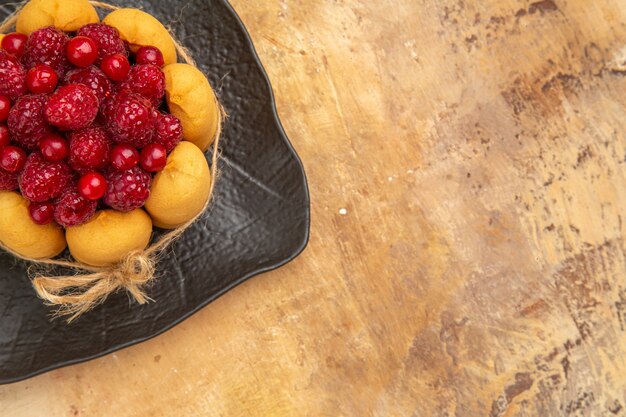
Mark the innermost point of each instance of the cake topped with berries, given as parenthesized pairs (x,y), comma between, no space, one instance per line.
(84,122)
(91,119)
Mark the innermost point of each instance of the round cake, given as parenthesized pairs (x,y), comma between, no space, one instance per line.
(102,133)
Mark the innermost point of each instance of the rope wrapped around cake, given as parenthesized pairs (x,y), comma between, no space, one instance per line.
(87,286)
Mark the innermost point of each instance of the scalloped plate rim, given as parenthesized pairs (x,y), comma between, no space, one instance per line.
(296,253)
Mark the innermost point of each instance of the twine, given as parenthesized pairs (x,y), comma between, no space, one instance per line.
(74,295)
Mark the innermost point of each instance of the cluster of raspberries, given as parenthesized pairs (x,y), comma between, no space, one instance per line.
(83,123)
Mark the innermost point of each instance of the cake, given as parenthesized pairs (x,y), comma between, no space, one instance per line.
(102,133)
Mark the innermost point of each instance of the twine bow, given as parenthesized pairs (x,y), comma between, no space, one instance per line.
(89,286)
(77,294)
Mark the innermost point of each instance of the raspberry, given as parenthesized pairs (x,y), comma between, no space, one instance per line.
(93,78)
(147,80)
(42,180)
(130,119)
(169,131)
(47,46)
(106,37)
(72,107)
(127,190)
(12,76)
(8,181)
(72,209)
(27,123)
(90,149)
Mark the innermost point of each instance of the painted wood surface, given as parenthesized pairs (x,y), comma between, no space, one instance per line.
(467,167)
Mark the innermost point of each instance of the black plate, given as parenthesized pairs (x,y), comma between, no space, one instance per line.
(259,219)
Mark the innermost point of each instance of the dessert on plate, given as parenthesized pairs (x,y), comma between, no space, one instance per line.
(102,133)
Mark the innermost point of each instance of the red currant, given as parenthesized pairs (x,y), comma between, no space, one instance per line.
(92,186)
(41,79)
(149,55)
(5,138)
(116,67)
(5,107)
(124,157)
(12,159)
(41,213)
(153,157)
(14,43)
(81,51)
(54,148)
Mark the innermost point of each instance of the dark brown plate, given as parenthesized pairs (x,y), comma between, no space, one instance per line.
(259,219)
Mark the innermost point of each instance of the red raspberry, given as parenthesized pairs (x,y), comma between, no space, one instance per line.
(130,118)
(42,180)
(127,190)
(72,209)
(147,80)
(169,131)
(90,149)
(106,37)
(8,181)
(93,78)
(72,107)
(12,76)
(27,123)
(47,46)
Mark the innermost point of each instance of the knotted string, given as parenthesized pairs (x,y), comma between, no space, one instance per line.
(75,294)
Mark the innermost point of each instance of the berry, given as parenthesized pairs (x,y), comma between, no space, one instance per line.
(124,157)
(130,119)
(12,76)
(12,159)
(8,181)
(149,55)
(92,186)
(169,131)
(106,37)
(72,107)
(27,123)
(47,46)
(14,43)
(41,213)
(90,149)
(54,148)
(116,67)
(41,79)
(42,180)
(127,190)
(72,209)
(5,107)
(93,78)
(147,80)
(153,157)
(81,51)
(5,137)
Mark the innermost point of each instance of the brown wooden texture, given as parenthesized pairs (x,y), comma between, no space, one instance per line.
(467,170)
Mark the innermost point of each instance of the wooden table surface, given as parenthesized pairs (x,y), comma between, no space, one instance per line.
(467,168)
